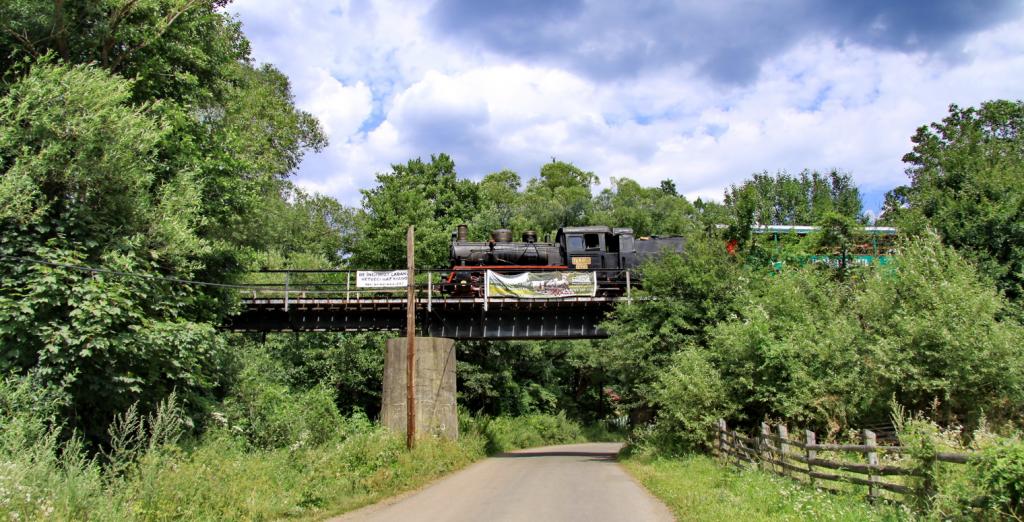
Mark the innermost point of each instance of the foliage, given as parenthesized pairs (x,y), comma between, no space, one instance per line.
(427,195)
(967,182)
(690,394)
(351,366)
(792,351)
(999,473)
(784,199)
(559,197)
(269,414)
(806,346)
(218,477)
(510,433)
(937,331)
(693,291)
(161,175)
(648,211)
(107,341)
(520,378)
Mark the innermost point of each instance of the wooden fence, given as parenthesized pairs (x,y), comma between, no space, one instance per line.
(802,459)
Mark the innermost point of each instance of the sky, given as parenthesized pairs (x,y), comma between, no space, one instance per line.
(703,93)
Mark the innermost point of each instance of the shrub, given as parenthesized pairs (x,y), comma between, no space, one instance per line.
(509,433)
(998,474)
(689,395)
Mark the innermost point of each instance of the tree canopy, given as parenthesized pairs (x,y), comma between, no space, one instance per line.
(967,182)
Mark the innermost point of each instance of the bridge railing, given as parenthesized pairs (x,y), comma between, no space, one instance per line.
(292,284)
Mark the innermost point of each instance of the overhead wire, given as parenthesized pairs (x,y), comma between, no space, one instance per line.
(84,268)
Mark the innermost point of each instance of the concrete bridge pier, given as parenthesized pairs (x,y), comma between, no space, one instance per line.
(436,413)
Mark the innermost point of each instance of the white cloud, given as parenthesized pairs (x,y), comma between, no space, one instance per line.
(341,109)
(820,105)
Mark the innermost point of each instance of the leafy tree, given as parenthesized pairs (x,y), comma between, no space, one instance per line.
(351,365)
(784,199)
(427,195)
(710,214)
(85,157)
(175,49)
(161,175)
(297,223)
(560,197)
(967,181)
(519,378)
(648,211)
(793,351)
(694,291)
(500,205)
(938,333)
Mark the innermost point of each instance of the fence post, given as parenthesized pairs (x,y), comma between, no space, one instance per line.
(783,447)
(811,454)
(722,430)
(287,280)
(348,286)
(871,440)
(734,445)
(764,450)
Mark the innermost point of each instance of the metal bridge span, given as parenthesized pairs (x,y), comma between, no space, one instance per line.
(454,318)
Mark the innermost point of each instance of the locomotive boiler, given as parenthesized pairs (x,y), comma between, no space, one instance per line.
(606,250)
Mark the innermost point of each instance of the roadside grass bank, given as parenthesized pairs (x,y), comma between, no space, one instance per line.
(223,476)
(696,487)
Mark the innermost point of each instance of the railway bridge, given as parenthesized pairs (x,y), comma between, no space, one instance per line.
(329,301)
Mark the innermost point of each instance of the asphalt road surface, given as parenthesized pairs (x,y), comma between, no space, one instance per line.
(574,482)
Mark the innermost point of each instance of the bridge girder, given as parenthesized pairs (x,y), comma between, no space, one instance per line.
(454,318)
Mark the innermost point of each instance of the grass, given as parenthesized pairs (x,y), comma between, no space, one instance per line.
(223,477)
(696,487)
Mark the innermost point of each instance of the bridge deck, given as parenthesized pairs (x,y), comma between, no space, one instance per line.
(453,317)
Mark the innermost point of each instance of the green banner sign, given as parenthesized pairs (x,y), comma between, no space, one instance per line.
(541,285)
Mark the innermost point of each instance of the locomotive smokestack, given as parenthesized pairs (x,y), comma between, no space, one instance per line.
(462,233)
(529,236)
(502,235)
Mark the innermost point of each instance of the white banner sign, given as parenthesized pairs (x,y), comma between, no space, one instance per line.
(541,285)
(391,279)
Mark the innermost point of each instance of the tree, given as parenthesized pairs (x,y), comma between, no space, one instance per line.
(560,197)
(500,205)
(175,49)
(693,291)
(85,157)
(648,211)
(967,181)
(784,199)
(427,195)
(166,174)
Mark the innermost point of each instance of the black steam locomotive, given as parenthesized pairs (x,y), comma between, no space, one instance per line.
(608,251)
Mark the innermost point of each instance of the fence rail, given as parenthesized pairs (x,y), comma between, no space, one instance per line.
(800,459)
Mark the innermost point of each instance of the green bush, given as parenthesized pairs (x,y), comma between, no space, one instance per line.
(270,414)
(689,394)
(509,433)
(998,474)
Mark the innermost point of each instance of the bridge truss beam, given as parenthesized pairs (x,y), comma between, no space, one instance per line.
(454,318)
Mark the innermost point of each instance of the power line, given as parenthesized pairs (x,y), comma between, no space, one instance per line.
(152,277)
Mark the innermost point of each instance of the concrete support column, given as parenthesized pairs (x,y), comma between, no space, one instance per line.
(436,413)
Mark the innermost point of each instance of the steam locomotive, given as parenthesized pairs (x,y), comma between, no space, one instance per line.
(606,250)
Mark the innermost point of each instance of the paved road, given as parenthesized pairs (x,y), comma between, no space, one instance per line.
(573,482)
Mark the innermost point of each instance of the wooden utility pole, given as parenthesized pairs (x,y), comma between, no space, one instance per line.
(410,336)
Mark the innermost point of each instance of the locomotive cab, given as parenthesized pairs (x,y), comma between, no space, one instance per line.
(596,247)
